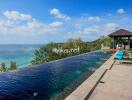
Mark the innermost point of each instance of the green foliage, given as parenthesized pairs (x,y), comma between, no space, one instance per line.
(3,67)
(13,65)
(46,54)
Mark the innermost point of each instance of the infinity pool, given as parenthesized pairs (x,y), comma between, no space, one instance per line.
(50,81)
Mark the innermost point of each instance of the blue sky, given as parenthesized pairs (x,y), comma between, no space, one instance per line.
(43,21)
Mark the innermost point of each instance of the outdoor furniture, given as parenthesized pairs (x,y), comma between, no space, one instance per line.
(120,55)
(124,57)
(119,37)
(130,54)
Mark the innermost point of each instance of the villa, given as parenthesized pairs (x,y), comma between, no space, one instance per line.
(122,39)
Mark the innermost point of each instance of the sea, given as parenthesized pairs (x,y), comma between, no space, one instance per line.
(21,54)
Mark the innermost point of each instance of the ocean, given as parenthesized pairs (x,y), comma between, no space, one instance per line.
(22,54)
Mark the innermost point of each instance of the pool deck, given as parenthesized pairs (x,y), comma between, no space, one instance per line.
(112,81)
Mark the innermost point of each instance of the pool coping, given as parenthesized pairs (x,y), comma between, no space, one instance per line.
(83,91)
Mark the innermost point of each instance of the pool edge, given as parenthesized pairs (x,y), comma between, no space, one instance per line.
(82,91)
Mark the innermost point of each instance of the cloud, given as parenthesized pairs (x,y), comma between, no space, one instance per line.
(58,14)
(110,27)
(6,23)
(90,30)
(120,11)
(30,28)
(87,27)
(94,18)
(15,15)
(94,30)
(34,24)
(20,24)
(109,14)
(56,24)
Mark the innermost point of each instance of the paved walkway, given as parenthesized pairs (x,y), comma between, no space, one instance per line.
(117,84)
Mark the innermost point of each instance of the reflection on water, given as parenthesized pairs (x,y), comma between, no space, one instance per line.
(54,80)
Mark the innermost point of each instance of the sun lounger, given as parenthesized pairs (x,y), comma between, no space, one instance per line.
(130,55)
(123,58)
(120,55)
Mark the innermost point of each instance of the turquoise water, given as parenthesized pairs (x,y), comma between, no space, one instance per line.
(22,54)
(50,81)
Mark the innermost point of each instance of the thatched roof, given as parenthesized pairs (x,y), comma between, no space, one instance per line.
(121,33)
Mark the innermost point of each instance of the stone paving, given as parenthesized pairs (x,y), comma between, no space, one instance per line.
(117,84)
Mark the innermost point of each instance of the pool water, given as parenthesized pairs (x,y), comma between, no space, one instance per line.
(50,81)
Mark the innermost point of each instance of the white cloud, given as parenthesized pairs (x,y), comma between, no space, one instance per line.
(90,30)
(33,24)
(17,28)
(87,27)
(110,27)
(58,14)
(6,23)
(15,15)
(56,24)
(87,31)
(109,14)
(14,23)
(94,18)
(30,28)
(120,11)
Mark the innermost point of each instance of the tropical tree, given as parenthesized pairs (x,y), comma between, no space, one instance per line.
(46,53)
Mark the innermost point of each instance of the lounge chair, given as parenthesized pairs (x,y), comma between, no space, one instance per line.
(120,55)
(130,55)
(124,58)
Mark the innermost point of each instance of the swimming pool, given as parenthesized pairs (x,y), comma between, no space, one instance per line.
(54,80)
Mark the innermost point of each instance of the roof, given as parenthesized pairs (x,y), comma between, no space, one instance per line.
(121,33)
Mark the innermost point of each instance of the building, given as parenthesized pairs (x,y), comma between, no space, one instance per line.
(121,39)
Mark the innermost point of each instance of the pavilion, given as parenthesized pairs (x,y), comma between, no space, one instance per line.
(121,38)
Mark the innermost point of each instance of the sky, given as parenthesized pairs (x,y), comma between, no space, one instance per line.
(43,21)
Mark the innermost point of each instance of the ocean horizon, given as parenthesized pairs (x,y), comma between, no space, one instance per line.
(22,54)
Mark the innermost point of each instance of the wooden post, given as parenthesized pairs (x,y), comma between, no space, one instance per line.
(129,42)
(114,43)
